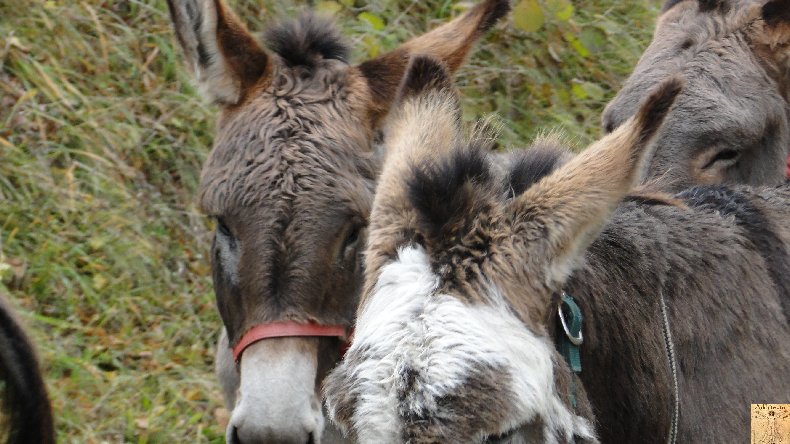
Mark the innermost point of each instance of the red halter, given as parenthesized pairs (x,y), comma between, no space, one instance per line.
(287,329)
(787,171)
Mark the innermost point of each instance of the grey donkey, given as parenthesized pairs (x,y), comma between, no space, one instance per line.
(731,123)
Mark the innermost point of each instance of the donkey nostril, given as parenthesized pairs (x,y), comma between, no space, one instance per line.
(311,438)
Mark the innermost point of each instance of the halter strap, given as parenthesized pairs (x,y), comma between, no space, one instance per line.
(571,318)
(285,329)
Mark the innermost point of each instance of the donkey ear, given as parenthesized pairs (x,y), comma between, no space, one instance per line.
(224,57)
(562,214)
(449,43)
(426,114)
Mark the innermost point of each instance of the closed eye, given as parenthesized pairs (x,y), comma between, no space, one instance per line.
(723,158)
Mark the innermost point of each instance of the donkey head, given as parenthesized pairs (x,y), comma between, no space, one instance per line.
(290,183)
(730,124)
(452,343)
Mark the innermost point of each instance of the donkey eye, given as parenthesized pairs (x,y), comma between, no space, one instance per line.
(352,238)
(723,158)
(222,228)
(351,242)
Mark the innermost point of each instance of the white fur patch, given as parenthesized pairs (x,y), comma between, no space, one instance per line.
(405,324)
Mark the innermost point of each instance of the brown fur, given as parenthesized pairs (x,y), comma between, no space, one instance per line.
(731,125)
(708,257)
(291,175)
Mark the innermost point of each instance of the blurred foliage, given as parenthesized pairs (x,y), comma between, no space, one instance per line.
(102,138)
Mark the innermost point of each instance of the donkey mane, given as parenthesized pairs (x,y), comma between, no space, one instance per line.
(528,166)
(306,40)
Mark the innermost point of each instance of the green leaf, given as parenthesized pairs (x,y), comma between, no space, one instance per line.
(593,39)
(576,44)
(593,90)
(587,90)
(578,91)
(328,7)
(374,21)
(347,3)
(561,9)
(372,45)
(528,15)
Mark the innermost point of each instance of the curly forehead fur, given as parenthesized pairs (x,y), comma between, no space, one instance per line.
(280,144)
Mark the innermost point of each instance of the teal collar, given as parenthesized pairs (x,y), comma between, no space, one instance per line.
(571,338)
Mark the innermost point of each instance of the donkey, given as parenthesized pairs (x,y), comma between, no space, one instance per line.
(684,299)
(290,182)
(731,124)
(26,411)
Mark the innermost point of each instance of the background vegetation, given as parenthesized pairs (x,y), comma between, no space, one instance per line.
(101,143)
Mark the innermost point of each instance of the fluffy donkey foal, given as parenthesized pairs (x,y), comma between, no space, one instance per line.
(451,340)
(290,182)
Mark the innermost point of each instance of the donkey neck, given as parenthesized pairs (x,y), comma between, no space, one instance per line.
(650,249)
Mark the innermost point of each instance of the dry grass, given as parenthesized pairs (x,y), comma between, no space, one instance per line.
(101,143)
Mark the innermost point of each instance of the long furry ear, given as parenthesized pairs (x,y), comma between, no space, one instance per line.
(449,43)
(560,215)
(424,125)
(426,118)
(224,57)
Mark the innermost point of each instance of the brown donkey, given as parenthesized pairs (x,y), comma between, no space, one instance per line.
(731,123)
(684,300)
(290,182)
(26,415)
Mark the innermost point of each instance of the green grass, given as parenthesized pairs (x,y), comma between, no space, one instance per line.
(101,143)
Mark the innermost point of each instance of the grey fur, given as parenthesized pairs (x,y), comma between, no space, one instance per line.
(704,250)
(730,123)
(290,178)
